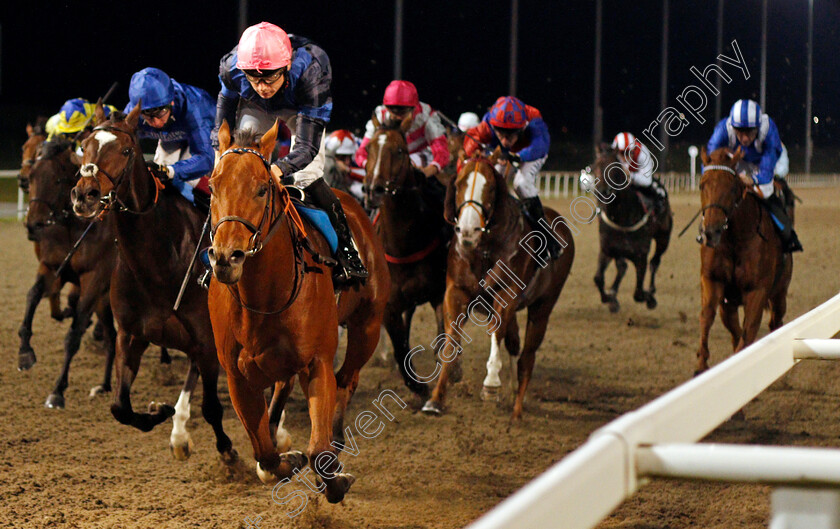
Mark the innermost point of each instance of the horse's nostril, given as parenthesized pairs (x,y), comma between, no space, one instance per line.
(93,194)
(211,253)
(379,189)
(237,257)
(73,194)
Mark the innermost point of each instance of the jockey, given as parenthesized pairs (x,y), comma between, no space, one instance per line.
(180,117)
(640,164)
(523,136)
(426,137)
(74,116)
(758,138)
(340,170)
(271,75)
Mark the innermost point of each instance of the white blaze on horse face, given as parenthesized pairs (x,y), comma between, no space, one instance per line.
(494,365)
(104,137)
(470,220)
(381,142)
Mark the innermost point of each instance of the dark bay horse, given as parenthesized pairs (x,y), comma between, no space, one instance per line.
(493,271)
(741,258)
(626,229)
(156,234)
(415,236)
(274,309)
(51,222)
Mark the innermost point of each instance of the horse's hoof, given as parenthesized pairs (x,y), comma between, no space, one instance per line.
(651,302)
(230,457)
(98,332)
(455,371)
(340,484)
(182,450)
(491,394)
(639,297)
(264,475)
(295,458)
(432,408)
(159,408)
(284,440)
(699,372)
(55,401)
(614,306)
(26,359)
(99,390)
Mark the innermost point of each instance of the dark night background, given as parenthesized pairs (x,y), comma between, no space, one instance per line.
(456,52)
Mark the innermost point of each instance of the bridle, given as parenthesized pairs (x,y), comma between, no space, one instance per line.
(391,188)
(60,216)
(727,211)
(486,214)
(112,197)
(256,241)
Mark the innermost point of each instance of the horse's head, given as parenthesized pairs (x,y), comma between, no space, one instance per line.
(35,137)
(472,197)
(110,155)
(244,200)
(388,164)
(721,191)
(607,174)
(50,181)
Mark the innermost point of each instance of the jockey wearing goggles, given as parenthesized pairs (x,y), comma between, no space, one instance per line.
(180,117)
(758,137)
(523,137)
(426,136)
(271,75)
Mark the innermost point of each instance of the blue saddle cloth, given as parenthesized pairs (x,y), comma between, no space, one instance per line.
(321,221)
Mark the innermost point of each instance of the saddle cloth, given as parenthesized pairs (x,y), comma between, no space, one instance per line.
(316,216)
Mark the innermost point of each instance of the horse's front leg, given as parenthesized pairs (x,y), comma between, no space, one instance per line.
(129,352)
(454,304)
(26,355)
(395,324)
(612,293)
(323,455)
(491,389)
(603,261)
(754,304)
(640,263)
(711,292)
(277,415)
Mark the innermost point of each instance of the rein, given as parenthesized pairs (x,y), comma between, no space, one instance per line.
(726,211)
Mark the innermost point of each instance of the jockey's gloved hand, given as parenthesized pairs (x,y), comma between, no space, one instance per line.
(514,159)
(159,170)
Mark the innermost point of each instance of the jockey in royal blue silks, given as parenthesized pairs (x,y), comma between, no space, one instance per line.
(270,76)
(758,137)
(181,118)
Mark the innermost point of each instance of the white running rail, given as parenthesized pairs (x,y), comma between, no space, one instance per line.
(588,484)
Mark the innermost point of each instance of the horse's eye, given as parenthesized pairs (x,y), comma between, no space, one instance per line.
(126,151)
(263,189)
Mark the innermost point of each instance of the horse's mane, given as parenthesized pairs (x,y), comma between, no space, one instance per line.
(245,137)
(51,149)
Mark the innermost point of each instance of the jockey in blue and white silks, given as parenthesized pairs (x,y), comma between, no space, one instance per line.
(758,138)
(181,118)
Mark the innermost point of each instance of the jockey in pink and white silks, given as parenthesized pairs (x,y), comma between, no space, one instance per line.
(640,165)
(758,137)
(426,137)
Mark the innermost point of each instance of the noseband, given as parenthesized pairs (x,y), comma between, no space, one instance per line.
(486,216)
(256,242)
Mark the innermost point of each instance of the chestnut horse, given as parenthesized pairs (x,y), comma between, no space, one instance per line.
(626,229)
(741,258)
(414,234)
(50,221)
(493,271)
(274,309)
(156,234)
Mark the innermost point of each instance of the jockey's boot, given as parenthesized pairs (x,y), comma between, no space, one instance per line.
(790,242)
(534,212)
(352,269)
(656,196)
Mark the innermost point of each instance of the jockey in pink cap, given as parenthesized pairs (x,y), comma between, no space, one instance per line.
(271,75)
(426,137)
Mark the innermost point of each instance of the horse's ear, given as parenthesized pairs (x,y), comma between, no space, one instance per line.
(224,136)
(268,141)
(406,124)
(449,201)
(704,156)
(737,155)
(30,130)
(375,121)
(133,117)
(495,156)
(99,113)
(75,159)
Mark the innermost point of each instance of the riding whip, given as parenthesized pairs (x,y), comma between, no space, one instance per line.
(192,263)
(690,223)
(73,249)
(104,99)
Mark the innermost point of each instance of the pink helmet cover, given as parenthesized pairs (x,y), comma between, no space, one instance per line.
(264,46)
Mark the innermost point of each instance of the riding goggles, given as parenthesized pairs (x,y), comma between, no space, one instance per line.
(507,133)
(257,77)
(156,112)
